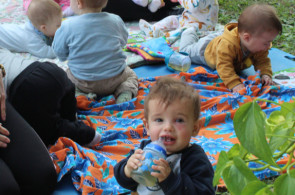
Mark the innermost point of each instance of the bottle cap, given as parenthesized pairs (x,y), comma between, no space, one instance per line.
(157,147)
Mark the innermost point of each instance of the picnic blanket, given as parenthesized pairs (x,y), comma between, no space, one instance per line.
(122,128)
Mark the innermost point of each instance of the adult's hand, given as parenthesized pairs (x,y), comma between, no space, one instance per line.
(4,140)
(2,98)
(174,1)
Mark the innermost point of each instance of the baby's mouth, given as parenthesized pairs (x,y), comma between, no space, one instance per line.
(168,140)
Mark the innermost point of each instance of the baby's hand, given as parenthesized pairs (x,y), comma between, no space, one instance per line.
(133,162)
(266,80)
(163,167)
(238,88)
(174,1)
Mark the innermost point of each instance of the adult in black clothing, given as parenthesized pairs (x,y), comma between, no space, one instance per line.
(41,102)
(25,164)
(129,11)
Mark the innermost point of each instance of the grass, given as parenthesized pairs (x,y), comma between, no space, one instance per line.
(230,10)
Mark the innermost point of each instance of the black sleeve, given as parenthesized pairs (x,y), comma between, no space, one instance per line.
(119,173)
(196,175)
(129,11)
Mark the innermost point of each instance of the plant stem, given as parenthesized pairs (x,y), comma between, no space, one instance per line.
(289,161)
(284,151)
(291,165)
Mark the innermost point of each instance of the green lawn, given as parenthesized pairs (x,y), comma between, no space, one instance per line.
(231,9)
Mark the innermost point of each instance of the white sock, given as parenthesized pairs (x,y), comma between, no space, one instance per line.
(155,5)
(146,27)
(142,3)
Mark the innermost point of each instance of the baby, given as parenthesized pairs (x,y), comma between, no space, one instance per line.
(37,34)
(238,47)
(171,112)
(202,14)
(92,42)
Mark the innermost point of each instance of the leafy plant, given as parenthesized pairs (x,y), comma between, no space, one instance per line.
(264,141)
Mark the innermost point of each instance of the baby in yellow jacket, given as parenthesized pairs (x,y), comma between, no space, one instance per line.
(238,47)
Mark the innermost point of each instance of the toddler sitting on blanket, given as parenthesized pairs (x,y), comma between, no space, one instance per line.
(171,113)
(92,42)
(238,47)
(202,14)
(36,35)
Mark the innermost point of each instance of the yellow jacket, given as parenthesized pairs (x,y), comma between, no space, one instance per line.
(224,54)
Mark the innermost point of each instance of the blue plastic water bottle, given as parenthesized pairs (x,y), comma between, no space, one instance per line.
(152,151)
(178,61)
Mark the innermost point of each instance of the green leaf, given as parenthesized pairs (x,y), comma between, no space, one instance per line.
(285,184)
(276,117)
(234,151)
(253,187)
(243,152)
(244,169)
(249,124)
(265,191)
(287,108)
(221,164)
(280,134)
(237,176)
(235,182)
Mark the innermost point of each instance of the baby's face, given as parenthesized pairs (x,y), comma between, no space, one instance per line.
(52,26)
(260,42)
(175,124)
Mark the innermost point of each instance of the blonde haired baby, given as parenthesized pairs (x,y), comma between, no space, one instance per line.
(36,35)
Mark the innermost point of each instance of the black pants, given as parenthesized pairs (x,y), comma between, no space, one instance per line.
(25,165)
(45,98)
(129,11)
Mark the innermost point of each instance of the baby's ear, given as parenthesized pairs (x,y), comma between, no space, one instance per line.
(245,36)
(146,126)
(197,126)
(42,28)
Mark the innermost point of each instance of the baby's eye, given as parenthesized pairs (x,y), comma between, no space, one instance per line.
(179,120)
(158,120)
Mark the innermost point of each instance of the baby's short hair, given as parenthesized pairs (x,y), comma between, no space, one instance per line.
(168,89)
(41,12)
(259,18)
(95,3)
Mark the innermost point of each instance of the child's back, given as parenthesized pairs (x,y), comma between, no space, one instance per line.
(92,42)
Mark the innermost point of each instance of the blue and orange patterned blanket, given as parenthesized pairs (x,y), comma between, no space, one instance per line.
(122,128)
